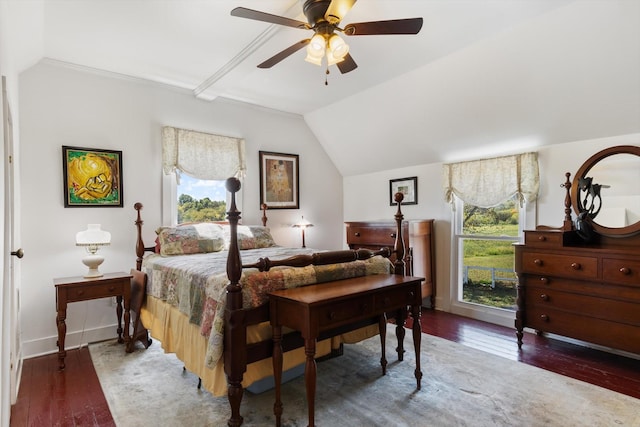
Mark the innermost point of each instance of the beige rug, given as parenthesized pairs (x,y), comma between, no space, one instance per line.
(460,387)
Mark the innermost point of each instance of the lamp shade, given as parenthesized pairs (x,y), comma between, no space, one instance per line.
(93,236)
(339,48)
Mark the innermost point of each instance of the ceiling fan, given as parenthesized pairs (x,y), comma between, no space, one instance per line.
(324,18)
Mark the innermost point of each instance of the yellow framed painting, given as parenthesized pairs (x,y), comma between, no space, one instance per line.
(92,177)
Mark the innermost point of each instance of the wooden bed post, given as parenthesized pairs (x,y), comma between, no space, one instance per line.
(399,244)
(235,359)
(264,208)
(139,243)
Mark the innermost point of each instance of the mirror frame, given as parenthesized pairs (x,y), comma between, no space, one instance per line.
(629,230)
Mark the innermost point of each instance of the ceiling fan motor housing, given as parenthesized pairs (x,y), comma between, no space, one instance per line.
(315,10)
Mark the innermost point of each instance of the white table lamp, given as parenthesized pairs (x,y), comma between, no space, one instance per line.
(92,238)
(302,225)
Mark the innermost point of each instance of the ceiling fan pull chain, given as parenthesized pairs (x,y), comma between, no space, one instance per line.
(326,83)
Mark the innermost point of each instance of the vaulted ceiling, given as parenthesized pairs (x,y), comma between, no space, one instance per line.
(483,77)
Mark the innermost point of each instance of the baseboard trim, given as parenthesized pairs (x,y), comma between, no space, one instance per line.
(77,339)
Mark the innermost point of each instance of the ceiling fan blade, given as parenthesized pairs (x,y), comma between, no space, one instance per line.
(394,26)
(243,12)
(337,10)
(283,54)
(347,64)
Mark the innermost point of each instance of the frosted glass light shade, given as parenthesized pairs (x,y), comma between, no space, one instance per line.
(92,238)
(338,47)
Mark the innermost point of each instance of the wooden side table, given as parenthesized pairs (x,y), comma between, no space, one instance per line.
(328,309)
(73,289)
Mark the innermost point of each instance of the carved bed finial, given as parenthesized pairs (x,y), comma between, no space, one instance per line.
(264,208)
(399,243)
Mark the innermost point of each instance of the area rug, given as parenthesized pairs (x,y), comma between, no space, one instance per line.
(461,386)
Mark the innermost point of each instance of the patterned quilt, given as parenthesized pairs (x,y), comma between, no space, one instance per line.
(195,284)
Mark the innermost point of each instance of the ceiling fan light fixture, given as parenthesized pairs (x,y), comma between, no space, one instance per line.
(317,44)
(317,60)
(331,59)
(338,47)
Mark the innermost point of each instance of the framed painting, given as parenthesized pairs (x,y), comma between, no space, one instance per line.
(91,177)
(279,182)
(406,186)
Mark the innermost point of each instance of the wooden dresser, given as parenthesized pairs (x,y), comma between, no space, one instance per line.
(582,280)
(587,292)
(419,243)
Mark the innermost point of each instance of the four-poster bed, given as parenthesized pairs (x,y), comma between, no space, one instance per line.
(217,321)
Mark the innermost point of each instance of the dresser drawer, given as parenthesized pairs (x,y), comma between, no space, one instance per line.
(372,236)
(393,300)
(621,271)
(584,305)
(560,265)
(603,290)
(99,290)
(543,239)
(336,314)
(610,334)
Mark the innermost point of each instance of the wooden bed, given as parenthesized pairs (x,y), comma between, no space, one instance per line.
(238,356)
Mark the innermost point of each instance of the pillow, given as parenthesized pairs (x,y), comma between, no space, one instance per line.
(250,237)
(191,239)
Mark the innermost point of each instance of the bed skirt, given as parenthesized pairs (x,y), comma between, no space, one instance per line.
(172,328)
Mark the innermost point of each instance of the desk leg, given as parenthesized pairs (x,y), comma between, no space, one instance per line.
(382,328)
(62,332)
(119,315)
(277,371)
(310,377)
(417,337)
(401,315)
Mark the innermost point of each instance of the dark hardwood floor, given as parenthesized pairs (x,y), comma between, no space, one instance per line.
(73,397)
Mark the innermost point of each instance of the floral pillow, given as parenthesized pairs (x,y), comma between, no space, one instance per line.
(191,239)
(250,237)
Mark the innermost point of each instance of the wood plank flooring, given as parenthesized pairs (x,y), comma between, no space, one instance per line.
(73,397)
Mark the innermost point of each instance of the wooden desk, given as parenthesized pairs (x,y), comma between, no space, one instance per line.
(73,289)
(328,309)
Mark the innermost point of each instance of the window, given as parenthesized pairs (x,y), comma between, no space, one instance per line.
(493,201)
(195,166)
(200,200)
(485,238)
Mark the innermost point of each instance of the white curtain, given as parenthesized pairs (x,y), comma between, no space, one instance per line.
(489,182)
(202,155)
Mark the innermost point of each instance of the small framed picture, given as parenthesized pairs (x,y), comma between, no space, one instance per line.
(91,177)
(406,186)
(279,182)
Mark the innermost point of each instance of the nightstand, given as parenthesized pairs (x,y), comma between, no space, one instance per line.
(73,289)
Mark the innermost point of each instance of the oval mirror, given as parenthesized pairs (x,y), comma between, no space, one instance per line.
(606,189)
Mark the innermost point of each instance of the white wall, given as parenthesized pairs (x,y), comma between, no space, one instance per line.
(366,196)
(63,106)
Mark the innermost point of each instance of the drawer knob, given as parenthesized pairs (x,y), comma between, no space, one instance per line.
(363,308)
(393,235)
(544,297)
(80,292)
(542,238)
(386,300)
(544,317)
(576,266)
(544,280)
(412,294)
(537,261)
(626,271)
(357,234)
(112,288)
(331,315)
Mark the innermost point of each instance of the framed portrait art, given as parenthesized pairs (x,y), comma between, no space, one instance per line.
(406,186)
(91,177)
(279,182)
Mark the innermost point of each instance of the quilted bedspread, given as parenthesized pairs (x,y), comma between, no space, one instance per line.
(195,284)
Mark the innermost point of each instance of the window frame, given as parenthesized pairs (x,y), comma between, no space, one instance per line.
(526,215)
